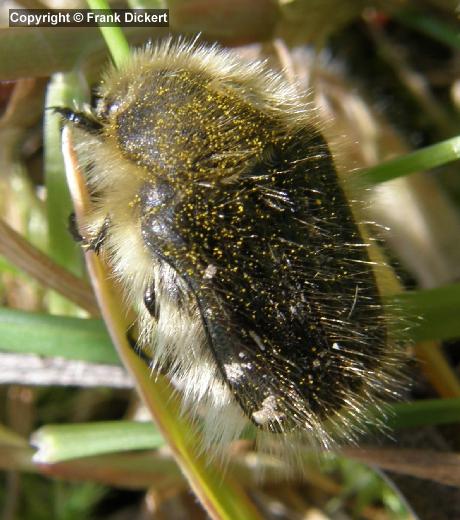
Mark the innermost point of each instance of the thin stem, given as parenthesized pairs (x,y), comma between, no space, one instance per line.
(423,159)
(113,36)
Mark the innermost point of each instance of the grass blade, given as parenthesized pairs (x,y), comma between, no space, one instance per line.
(57,443)
(55,336)
(424,159)
(438,310)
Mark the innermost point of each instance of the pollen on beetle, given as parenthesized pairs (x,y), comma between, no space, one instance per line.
(219,208)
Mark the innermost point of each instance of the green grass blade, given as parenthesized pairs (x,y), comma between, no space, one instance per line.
(64,90)
(423,413)
(420,160)
(435,28)
(56,443)
(55,336)
(113,36)
(87,339)
(438,310)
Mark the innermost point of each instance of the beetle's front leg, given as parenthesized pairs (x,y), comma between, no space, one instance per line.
(92,242)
